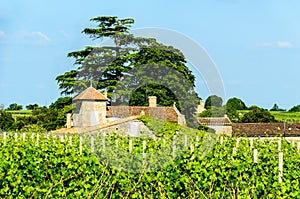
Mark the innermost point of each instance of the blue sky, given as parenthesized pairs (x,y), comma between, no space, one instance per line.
(254,44)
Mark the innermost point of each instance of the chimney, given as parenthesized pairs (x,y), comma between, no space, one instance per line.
(152,101)
(105,93)
(69,120)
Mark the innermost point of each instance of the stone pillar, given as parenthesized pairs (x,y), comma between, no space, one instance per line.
(152,101)
(69,121)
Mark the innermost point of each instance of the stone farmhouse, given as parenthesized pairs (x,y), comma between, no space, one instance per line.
(92,111)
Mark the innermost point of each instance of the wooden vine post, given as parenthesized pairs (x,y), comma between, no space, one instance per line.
(130,145)
(62,138)
(197,141)
(70,140)
(174,148)
(192,151)
(237,142)
(37,139)
(92,144)
(80,145)
(280,167)
(16,137)
(279,145)
(255,156)
(24,137)
(234,150)
(185,141)
(117,143)
(221,140)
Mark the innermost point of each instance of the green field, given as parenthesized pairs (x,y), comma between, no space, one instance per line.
(41,167)
(280,116)
(20,113)
(286,116)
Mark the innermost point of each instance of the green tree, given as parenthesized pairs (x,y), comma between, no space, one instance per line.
(165,97)
(15,107)
(43,118)
(258,115)
(61,102)
(213,100)
(214,111)
(236,104)
(232,114)
(232,105)
(32,106)
(101,65)
(106,66)
(295,109)
(6,120)
(276,108)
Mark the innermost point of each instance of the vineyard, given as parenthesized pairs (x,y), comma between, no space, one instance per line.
(187,164)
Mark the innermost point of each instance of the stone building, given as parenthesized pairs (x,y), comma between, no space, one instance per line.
(222,125)
(90,108)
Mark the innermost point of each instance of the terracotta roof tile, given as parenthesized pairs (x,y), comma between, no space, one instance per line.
(90,94)
(163,113)
(265,129)
(214,121)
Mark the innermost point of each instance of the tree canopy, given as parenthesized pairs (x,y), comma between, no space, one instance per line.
(32,106)
(295,108)
(131,62)
(236,104)
(15,107)
(258,115)
(6,120)
(213,100)
(276,108)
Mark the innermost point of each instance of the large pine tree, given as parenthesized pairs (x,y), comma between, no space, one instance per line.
(157,69)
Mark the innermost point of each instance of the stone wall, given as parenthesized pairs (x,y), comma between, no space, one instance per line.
(91,113)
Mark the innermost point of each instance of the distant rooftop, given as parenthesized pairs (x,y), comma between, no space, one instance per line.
(266,129)
(90,94)
(214,121)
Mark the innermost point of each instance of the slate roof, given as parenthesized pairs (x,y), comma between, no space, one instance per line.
(214,121)
(90,94)
(266,129)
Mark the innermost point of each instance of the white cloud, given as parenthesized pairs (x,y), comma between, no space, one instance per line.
(284,44)
(41,36)
(34,37)
(278,44)
(2,33)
